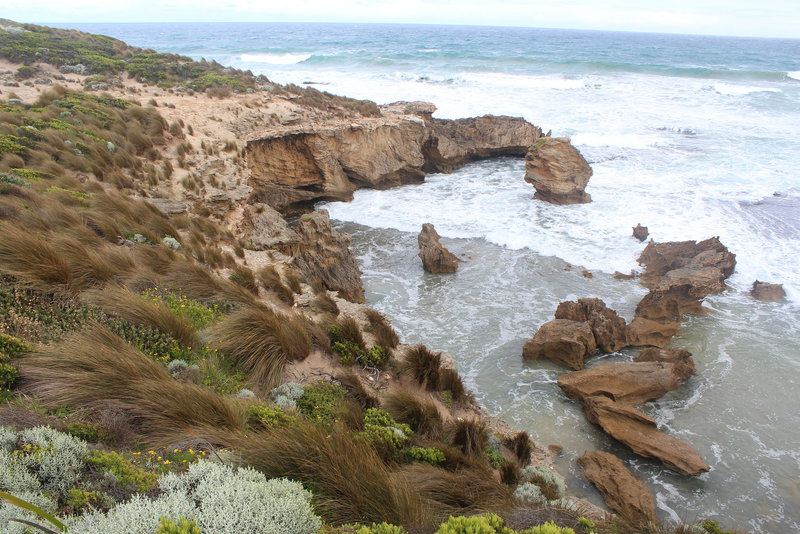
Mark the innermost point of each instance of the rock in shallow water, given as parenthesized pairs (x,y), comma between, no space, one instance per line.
(558,172)
(435,258)
(563,341)
(622,491)
(767,292)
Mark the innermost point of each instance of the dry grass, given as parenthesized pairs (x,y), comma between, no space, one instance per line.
(383,331)
(422,365)
(423,417)
(450,380)
(245,278)
(118,301)
(521,446)
(324,303)
(95,369)
(351,331)
(470,435)
(262,341)
(270,280)
(351,483)
(32,259)
(293,281)
(356,389)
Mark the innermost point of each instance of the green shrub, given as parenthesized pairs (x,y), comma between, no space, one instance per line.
(375,528)
(430,456)
(376,357)
(479,524)
(199,314)
(268,416)
(183,526)
(88,432)
(8,375)
(384,433)
(320,402)
(125,472)
(79,499)
(548,528)
(348,352)
(493,456)
(712,527)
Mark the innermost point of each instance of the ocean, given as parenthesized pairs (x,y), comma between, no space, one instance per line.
(691,136)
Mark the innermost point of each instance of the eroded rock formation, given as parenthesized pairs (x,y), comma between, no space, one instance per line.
(679,357)
(291,168)
(608,328)
(263,228)
(435,258)
(622,491)
(557,171)
(324,253)
(631,427)
(561,340)
(768,292)
(640,232)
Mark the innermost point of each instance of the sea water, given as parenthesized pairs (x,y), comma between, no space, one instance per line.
(691,136)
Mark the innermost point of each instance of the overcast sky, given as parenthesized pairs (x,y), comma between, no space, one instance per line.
(764,18)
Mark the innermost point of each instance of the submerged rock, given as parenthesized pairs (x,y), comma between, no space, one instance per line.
(561,340)
(622,491)
(768,292)
(640,232)
(628,382)
(324,254)
(631,427)
(558,172)
(435,258)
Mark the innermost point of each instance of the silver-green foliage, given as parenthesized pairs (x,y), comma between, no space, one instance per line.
(286,395)
(530,493)
(220,499)
(549,482)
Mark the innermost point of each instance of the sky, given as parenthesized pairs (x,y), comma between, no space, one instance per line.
(764,18)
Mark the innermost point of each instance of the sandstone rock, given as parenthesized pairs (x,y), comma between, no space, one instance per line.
(640,232)
(169,207)
(628,382)
(608,328)
(643,332)
(679,357)
(557,171)
(622,491)
(263,228)
(435,258)
(768,292)
(639,432)
(660,258)
(324,254)
(293,167)
(622,276)
(562,340)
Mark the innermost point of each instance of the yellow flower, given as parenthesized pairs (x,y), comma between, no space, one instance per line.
(167,462)
(151,452)
(176,450)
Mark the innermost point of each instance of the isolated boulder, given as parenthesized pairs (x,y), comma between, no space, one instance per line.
(640,232)
(435,258)
(631,427)
(561,340)
(558,172)
(609,329)
(627,382)
(768,292)
(622,491)
(324,254)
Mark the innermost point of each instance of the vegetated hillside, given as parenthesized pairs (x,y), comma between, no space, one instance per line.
(142,360)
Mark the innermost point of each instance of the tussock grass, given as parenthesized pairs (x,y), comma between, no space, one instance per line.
(95,369)
(383,331)
(356,389)
(450,380)
(245,278)
(325,304)
(423,417)
(119,302)
(270,280)
(521,446)
(32,259)
(263,341)
(351,331)
(422,365)
(293,281)
(352,484)
(470,435)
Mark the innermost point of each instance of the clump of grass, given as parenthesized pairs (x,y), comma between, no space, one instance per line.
(520,445)
(244,277)
(263,341)
(423,417)
(270,280)
(357,391)
(470,435)
(324,303)
(384,333)
(349,331)
(449,380)
(95,369)
(423,366)
(32,259)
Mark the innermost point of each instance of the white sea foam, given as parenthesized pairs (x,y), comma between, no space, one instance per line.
(738,90)
(795,75)
(623,140)
(275,59)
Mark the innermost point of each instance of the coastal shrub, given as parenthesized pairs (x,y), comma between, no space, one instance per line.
(183,526)
(320,402)
(8,375)
(263,341)
(712,527)
(551,485)
(268,416)
(549,528)
(429,456)
(375,357)
(270,280)
(198,314)
(89,432)
(479,524)
(423,366)
(381,329)
(422,416)
(9,511)
(375,528)
(385,434)
(346,329)
(493,457)
(286,395)
(530,493)
(220,499)
(122,470)
(347,351)
(95,368)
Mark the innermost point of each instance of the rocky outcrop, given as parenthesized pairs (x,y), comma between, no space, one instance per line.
(622,491)
(680,274)
(291,168)
(435,258)
(561,340)
(263,228)
(768,292)
(631,427)
(628,382)
(558,172)
(324,254)
(608,328)
(644,332)
(640,232)
(680,357)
